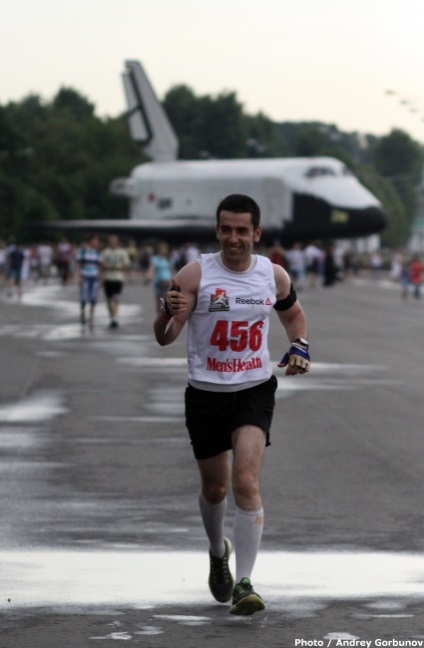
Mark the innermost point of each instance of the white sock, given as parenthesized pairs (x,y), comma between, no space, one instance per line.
(213,516)
(248,527)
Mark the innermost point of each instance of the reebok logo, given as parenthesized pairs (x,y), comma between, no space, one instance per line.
(255,302)
(249,300)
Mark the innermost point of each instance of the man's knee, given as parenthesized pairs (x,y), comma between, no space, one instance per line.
(214,493)
(246,489)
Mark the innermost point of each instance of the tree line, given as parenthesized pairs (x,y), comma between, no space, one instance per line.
(57,158)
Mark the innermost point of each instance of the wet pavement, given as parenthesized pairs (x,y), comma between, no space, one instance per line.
(101,538)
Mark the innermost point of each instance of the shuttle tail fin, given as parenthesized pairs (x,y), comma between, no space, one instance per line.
(147,120)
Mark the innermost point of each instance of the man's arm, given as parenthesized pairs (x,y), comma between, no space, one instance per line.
(180,302)
(294,321)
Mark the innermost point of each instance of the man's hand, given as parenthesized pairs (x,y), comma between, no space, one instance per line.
(175,302)
(297,360)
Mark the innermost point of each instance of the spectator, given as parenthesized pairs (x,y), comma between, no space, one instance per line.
(15,262)
(416,270)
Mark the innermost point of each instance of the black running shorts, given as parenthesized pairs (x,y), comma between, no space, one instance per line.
(112,288)
(212,417)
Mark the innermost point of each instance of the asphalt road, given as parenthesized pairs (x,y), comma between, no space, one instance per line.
(101,538)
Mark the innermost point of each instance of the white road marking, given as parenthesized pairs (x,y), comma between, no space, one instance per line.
(40,406)
(112,578)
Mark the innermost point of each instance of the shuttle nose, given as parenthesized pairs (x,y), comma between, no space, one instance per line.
(370,221)
(378,219)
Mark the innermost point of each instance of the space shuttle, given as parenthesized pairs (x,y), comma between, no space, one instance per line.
(301,199)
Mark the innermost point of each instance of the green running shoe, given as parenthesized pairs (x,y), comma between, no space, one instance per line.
(245,600)
(221,582)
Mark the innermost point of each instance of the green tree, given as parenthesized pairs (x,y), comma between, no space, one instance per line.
(207,126)
(71,101)
(398,229)
(14,155)
(222,127)
(65,158)
(311,140)
(182,108)
(264,138)
(399,160)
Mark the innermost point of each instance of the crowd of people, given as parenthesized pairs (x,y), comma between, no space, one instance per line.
(89,265)
(36,263)
(313,263)
(328,264)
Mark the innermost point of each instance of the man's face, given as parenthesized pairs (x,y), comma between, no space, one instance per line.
(237,236)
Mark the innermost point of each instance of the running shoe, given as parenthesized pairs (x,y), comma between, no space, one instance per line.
(245,600)
(221,582)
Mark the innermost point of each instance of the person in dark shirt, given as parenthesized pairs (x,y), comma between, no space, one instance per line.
(15,262)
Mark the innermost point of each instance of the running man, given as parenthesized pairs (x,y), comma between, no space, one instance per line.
(115,265)
(227,298)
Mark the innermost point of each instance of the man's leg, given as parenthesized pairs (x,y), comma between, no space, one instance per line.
(114,307)
(19,287)
(215,477)
(111,300)
(83,298)
(108,302)
(93,292)
(248,448)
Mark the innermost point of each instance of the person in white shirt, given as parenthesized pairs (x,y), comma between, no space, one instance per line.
(297,265)
(226,298)
(116,265)
(45,258)
(314,259)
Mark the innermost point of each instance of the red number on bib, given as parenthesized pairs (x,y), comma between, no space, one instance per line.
(255,337)
(238,337)
(219,336)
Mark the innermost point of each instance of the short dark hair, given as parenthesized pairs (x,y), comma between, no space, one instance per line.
(239,204)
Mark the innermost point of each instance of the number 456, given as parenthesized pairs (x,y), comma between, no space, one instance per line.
(237,335)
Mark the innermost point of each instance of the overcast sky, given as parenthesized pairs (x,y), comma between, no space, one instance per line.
(326,60)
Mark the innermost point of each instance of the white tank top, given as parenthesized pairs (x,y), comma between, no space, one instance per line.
(228,330)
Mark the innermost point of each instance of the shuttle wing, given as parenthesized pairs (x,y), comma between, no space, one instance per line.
(175,230)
